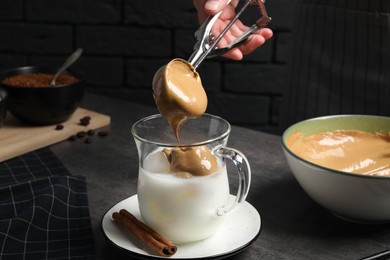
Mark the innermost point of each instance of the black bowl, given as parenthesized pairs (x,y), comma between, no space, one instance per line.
(3,105)
(42,105)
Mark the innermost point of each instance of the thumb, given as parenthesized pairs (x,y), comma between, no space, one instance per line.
(212,7)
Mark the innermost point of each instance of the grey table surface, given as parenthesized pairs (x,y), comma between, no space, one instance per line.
(293,225)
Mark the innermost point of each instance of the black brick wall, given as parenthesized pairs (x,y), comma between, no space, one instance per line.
(125,42)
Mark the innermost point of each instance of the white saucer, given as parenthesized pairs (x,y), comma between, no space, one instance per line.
(239,229)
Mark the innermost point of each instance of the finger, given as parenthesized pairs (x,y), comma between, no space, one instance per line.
(266,33)
(235,30)
(253,42)
(256,40)
(238,29)
(234,54)
(230,36)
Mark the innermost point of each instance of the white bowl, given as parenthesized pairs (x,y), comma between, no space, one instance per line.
(354,197)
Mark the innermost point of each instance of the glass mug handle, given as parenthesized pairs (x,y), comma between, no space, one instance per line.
(244,175)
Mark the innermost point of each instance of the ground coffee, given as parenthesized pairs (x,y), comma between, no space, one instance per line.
(37,80)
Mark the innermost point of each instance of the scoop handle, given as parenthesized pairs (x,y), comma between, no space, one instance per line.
(69,61)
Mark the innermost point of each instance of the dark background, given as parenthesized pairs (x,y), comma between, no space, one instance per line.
(125,42)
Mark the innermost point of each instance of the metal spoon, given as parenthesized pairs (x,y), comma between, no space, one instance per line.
(69,61)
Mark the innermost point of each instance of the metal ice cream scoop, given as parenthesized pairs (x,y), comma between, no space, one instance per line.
(206,44)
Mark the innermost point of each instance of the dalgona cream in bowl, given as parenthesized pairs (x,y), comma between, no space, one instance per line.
(343,163)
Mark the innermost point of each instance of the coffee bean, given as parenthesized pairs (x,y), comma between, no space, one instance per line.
(88,135)
(81,134)
(59,127)
(85,120)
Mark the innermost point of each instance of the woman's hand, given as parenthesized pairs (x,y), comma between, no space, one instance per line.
(206,8)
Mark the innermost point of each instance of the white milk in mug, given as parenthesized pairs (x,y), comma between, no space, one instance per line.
(182,209)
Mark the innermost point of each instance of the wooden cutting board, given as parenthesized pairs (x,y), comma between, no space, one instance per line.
(17,138)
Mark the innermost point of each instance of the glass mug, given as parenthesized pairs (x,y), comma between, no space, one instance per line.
(186,209)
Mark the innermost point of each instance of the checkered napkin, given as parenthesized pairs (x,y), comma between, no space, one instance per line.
(43,210)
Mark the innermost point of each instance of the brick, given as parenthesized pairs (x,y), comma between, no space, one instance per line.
(130,41)
(166,14)
(48,61)
(102,71)
(139,96)
(262,54)
(9,61)
(140,72)
(97,71)
(276,104)
(31,38)
(74,11)
(11,10)
(240,109)
(183,43)
(211,75)
(283,46)
(282,13)
(255,78)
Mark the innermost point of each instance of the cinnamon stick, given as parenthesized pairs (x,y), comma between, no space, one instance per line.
(151,238)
